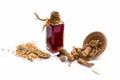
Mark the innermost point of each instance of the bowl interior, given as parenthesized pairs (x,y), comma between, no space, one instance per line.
(96,36)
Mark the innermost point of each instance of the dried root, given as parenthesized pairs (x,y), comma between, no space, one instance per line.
(30,52)
(70,56)
(95,43)
(76,52)
(84,62)
(86,52)
(95,48)
(63,58)
(82,55)
(63,54)
(94,71)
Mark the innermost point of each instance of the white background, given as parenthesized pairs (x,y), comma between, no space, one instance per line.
(81,17)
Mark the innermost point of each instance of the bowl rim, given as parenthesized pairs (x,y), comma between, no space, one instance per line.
(96,34)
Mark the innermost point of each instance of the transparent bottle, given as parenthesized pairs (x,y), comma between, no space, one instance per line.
(54,31)
(54,37)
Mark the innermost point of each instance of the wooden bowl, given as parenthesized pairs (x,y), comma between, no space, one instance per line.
(96,36)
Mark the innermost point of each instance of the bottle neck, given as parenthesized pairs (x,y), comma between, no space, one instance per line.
(60,23)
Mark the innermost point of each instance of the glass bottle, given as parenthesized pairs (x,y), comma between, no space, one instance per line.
(54,37)
(54,31)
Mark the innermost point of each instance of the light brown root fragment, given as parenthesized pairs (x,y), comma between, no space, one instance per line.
(75,52)
(30,52)
(95,43)
(78,50)
(84,62)
(64,52)
(62,58)
(94,71)
(86,52)
(42,54)
(93,54)
(70,56)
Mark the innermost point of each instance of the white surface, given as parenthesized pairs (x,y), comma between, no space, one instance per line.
(81,17)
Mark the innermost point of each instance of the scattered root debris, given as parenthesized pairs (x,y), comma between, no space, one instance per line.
(30,52)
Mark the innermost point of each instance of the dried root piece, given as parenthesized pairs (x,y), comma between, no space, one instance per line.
(62,58)
(69,56)
(42,54)
(94,71)
(93,54)
(76,52)
(95,43)
(64,52)
(30,51)
(84,62)
(95,46)
(76,55)
(86,52)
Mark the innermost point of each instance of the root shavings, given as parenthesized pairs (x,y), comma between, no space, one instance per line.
(30,52)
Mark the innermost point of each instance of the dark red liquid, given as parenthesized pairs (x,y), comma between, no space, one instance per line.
(54,37)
